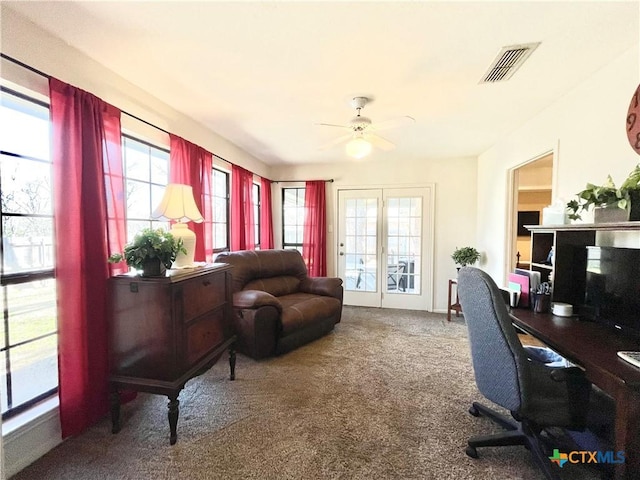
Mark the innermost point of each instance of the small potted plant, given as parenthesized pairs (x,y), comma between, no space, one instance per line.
(624,202)
(465,256)
(152,251)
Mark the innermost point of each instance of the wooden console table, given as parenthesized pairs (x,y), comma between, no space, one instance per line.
(167,330)
(456,307)
(594,347)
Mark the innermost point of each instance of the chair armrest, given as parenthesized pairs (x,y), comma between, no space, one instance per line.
(327,286)
(255,299)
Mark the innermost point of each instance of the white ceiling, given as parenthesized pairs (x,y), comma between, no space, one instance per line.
(262,74)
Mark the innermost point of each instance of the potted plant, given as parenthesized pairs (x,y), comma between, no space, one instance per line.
(465,256)
(151,251)
(626,198)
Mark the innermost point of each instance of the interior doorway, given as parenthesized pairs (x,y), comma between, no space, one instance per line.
(532,192)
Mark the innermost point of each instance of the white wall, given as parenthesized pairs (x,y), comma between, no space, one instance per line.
(588,129)
(455,202)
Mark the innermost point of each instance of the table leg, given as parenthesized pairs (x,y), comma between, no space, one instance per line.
(232,361)
(115,411)
(627,436)
(449,303)
(173,417)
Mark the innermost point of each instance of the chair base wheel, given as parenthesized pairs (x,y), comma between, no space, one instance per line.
(474,411)
(471,452)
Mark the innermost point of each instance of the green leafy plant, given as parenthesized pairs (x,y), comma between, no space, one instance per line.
(147,245)
(465,256)
(606,195)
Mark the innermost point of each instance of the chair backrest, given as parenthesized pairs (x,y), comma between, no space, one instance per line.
(499,361)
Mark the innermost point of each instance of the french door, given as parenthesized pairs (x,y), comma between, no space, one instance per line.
(384,247)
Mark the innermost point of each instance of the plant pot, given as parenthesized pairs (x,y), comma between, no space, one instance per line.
(153,268)
(634,213)
(611,214)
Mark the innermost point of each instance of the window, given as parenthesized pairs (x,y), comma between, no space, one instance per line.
(28,328)
(256,214)
(220,210)
(146,172)
(292,217)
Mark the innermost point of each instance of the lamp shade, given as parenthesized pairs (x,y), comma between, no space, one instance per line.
(358,148)
(178,204)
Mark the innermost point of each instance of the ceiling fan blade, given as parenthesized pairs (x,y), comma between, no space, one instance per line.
(379,142)
(333,125)
(335,142)
(393,123)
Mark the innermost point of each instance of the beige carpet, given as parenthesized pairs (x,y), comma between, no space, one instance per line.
(385,396)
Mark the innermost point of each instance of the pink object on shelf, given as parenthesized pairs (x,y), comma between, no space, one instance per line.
(523,280)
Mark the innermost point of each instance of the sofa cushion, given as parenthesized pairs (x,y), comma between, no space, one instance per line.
(276,286)
(250,265)
(300,310)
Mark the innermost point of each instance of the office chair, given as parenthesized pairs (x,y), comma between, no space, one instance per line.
(538,396)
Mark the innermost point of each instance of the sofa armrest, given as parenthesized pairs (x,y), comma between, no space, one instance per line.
(255,299)
(327,286)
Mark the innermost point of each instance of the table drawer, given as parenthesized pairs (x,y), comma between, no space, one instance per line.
(204,335)
(203,294)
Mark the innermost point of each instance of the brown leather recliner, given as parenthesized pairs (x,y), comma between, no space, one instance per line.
(277,306)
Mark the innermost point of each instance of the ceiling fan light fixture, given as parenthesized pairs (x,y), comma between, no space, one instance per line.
(358,148)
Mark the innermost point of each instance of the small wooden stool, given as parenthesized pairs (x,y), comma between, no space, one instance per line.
(453,306)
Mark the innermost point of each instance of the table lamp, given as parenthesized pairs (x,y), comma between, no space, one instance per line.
(178,204)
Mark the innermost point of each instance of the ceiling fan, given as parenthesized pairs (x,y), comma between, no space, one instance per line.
(362,136)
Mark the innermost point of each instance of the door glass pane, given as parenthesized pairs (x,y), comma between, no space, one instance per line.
(361,258)
(403,245)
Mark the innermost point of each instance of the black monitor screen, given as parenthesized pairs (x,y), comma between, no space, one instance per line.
(527,218)
(612,294)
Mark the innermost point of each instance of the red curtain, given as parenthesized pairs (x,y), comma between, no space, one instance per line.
(266,222)
(242,224)
(314,243)
(192,165)
(89,225)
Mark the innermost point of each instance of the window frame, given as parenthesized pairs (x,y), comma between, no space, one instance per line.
(227,200)
(22,277)
(257,216)
(127,137)
(300,192)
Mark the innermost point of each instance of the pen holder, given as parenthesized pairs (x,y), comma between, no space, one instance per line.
(541,302)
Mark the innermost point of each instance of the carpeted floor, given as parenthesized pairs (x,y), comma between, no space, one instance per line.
(385,396)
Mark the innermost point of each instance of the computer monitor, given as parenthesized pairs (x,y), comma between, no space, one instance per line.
(612,293)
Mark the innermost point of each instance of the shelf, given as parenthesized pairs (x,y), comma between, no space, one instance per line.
(585,226)
(542,265)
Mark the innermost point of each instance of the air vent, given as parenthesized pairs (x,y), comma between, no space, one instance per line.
(508,60)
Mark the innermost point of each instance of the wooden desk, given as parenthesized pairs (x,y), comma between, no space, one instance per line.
(594,347)
(456,307)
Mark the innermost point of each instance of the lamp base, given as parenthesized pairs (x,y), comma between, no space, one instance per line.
(181,231)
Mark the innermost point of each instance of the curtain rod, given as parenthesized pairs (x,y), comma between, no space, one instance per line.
(302,181)
(47,76)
